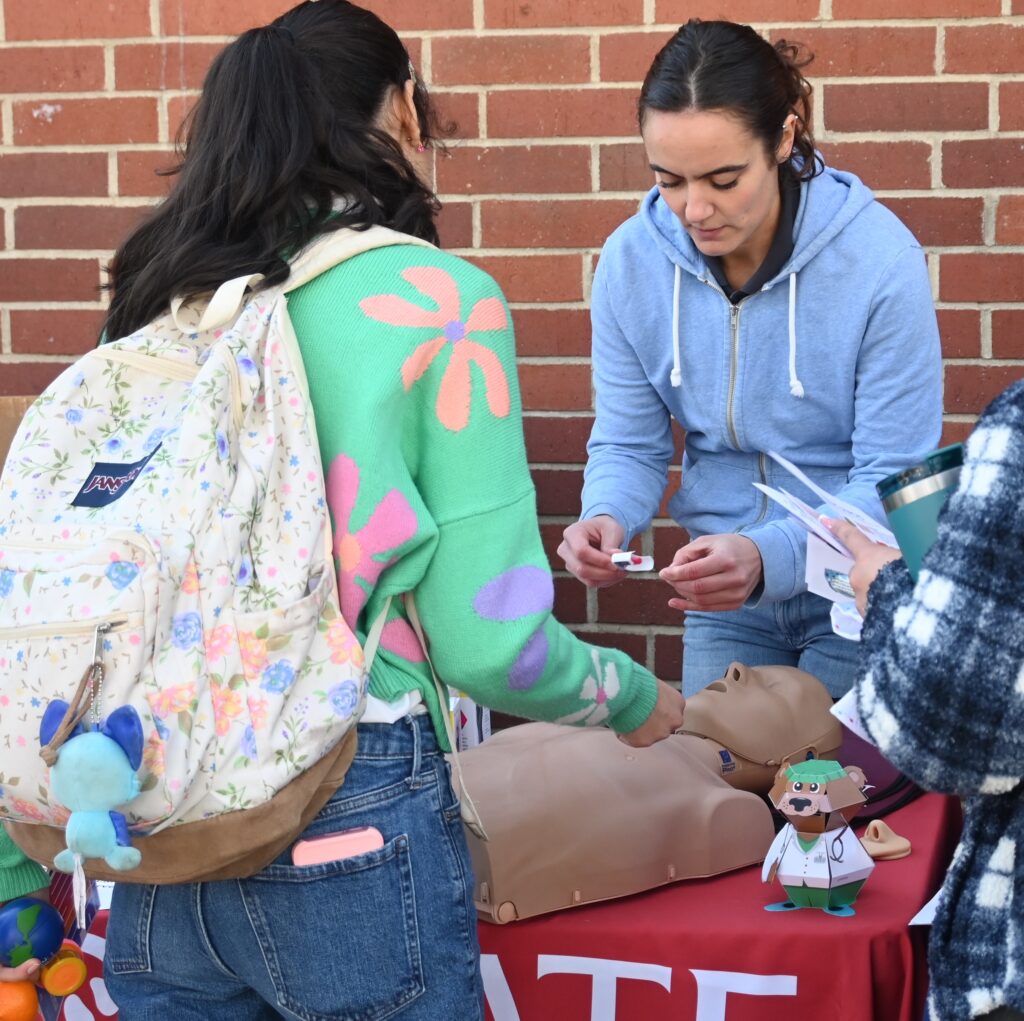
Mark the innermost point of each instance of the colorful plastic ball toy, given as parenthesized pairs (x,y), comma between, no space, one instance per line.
(29,928)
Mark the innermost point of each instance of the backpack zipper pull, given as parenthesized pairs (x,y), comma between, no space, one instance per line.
(97,671)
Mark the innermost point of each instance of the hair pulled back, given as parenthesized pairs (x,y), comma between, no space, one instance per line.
(719,65)
(282,145)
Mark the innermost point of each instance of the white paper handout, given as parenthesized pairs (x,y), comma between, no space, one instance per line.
(828,563)
(841,509)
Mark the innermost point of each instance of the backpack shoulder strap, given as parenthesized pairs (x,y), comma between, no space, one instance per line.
(321,255)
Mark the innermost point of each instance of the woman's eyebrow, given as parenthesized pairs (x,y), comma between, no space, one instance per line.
(730,169)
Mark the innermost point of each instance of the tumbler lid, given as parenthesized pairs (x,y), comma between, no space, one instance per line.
(937,462)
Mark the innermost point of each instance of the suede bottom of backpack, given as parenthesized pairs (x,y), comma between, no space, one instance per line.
(234,845)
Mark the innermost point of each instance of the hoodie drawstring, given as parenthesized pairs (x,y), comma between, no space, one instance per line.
(796,388)
(676,377)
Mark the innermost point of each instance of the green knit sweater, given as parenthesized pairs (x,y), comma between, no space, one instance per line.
(18,874)
(411,363)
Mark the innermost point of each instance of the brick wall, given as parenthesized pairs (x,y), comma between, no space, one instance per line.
(927,106)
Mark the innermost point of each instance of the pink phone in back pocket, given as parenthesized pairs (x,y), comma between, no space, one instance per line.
(335,846)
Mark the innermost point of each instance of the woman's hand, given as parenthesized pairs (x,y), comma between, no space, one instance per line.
(587,546)
(665,719)
(868,558)
(715,572)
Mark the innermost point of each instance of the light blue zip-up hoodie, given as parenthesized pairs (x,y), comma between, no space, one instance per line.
(835,364)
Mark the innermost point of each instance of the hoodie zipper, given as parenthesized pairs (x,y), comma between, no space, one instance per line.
(734,357)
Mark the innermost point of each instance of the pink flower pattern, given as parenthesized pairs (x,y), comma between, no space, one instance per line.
(390,524)
(454,397)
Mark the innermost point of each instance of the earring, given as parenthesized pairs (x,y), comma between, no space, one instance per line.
(421,147)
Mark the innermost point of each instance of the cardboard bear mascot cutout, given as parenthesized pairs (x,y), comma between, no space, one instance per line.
(817,857)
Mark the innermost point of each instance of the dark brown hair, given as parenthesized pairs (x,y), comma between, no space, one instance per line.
(719,65)
(283,145)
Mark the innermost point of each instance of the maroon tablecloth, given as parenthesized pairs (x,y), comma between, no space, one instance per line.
(707,950)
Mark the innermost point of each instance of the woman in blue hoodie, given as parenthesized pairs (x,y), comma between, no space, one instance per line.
(765,302)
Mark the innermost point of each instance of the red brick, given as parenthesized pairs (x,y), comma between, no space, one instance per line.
(626,56)
(417,15)
(1011,105)
(178,108)
(667,540)
(87,227)
(552,331)
(27,280)
(983,163)
(889,165)
(575,223)
(555,387)
(941,221)
(171,65)
(51,69)
(548,13)
(488,170)
(981,277)
(214,17)
(557,440)
(624,167)
(136,172)
(1008,333)
(561,112)
(668,657)
(536,277)
(884,9)
(1010,220)
(458,113)
(40,175)
(960,329)
(670,489)
(570,601)
(84,121)
(75,19)
(636,600)
(677,11)
(969,388)
(558,491)
(863,52)
(908,106)
(551,537)
(455,225)
(55,331)
(633,644)
(510,60)
(984,49)
(955,432)
(28,378)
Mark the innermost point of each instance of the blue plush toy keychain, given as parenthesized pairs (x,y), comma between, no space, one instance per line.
(92,771)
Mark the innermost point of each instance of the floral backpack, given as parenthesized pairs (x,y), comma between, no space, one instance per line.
(165,544)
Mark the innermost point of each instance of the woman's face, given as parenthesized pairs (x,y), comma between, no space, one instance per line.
(718,179)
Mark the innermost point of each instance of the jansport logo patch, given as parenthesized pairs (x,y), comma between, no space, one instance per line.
(108,481)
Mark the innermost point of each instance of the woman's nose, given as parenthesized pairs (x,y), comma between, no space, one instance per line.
(698,209)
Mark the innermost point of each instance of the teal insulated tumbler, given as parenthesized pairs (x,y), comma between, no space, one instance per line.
(913,498)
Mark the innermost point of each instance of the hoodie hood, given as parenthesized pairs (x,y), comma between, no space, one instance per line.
(823,212)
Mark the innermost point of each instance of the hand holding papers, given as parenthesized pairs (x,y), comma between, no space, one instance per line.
(828,560)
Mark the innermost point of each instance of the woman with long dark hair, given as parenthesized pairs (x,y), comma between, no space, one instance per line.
(317,123)
(765,302)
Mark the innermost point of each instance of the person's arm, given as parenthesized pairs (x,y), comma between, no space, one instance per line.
(897,413)
(487,594)
(942,660)
(631,443)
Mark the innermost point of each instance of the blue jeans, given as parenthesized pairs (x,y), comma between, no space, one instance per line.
(797,632)
(390,933)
